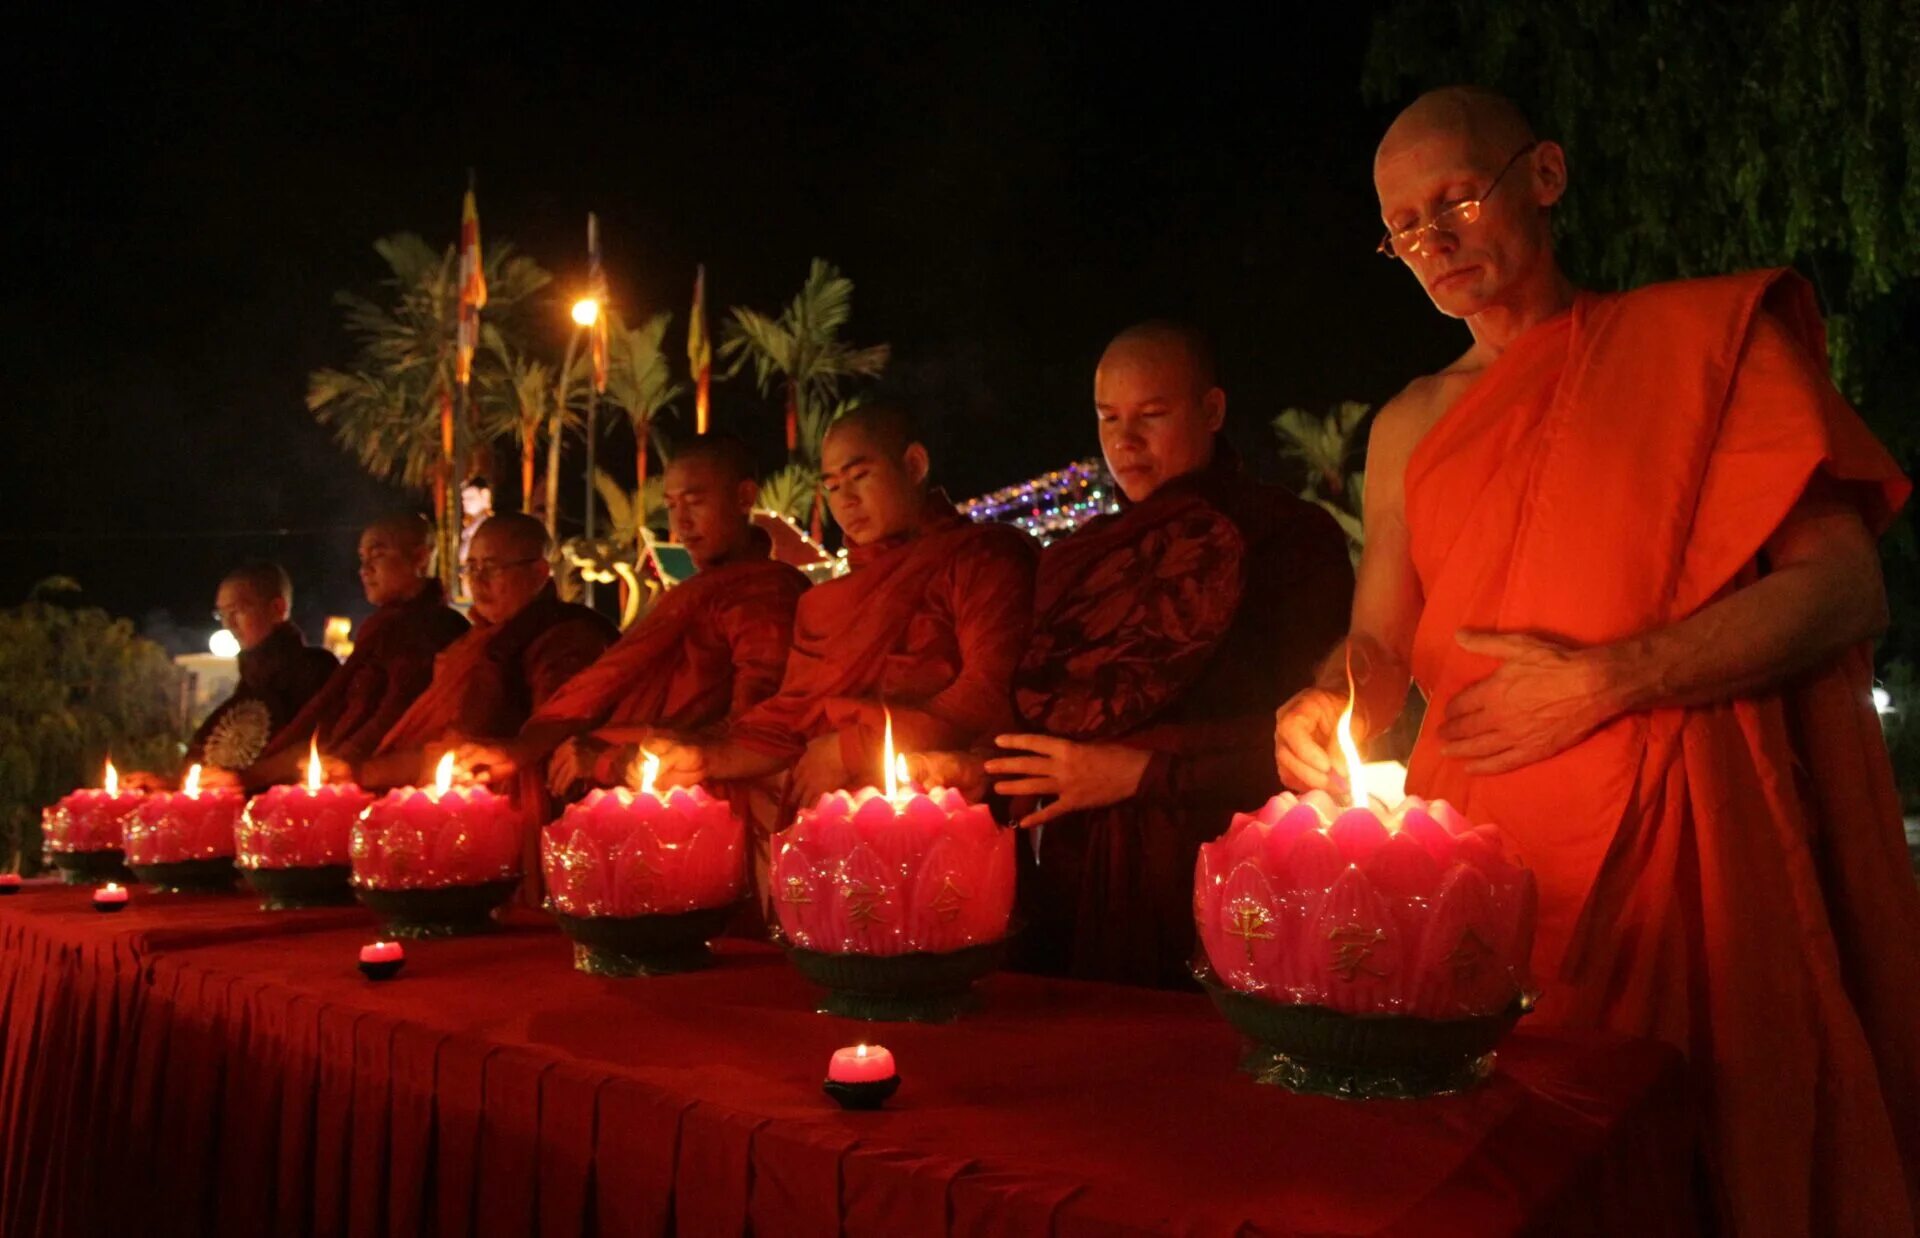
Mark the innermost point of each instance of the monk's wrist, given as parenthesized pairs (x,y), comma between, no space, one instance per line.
(1626,678)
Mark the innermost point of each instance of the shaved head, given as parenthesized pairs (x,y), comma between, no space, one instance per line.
(396,554)
(517,534)
(730,458)
(253,600)
(710,492)
(1179,345)
(1491,125)
(883,425)
(404,531)
(266,580)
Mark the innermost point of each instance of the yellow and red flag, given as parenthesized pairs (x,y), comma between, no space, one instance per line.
(700,350)
(473,287)
(597,289)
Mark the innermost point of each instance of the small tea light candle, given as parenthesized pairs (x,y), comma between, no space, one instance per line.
(110,897)
(861,1077)
(9,883)
(860,1064)
(381,960)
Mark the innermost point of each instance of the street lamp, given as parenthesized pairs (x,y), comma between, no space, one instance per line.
(223,644)
(586,311)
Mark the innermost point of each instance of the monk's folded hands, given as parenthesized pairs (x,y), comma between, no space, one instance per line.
(1079,775)
(1545,696)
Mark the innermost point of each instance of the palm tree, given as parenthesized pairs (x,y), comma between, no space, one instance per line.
(519,408)
(1323,445)
(386,405)
(639,380)
(802,353)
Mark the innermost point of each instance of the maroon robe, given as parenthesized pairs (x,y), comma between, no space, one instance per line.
(930,626)
(1179,625)
(277,679)
(391,665)
(487,683)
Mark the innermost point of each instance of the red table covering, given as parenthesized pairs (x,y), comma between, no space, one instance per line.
(263,1086)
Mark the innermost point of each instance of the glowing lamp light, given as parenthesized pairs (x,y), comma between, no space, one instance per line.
(223,644)
(1882,701)
(586,311)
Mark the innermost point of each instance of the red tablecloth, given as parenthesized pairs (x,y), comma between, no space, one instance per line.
(263,1086)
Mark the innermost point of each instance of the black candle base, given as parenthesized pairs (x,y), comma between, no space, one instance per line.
(110,908)
(384,969)
(870,1095)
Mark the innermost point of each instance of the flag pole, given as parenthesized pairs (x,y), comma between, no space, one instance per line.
(455,436)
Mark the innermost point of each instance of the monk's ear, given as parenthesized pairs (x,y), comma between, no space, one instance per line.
(278,608)
(1214,405)
(746,495)
(917,464)
(1549,173)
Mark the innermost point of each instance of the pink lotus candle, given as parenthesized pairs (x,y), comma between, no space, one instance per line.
(620,853)
(893,871)
(172,827)
(110,897)
(91,820)
(381,960)
(1407,910)
(860,1064)
(308,826)
(418,838)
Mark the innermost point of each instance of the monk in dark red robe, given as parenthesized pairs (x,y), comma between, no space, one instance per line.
(707,652)
(391,663)
(279,674)
(1164,638)
(929,624)
(1625,544)
(524,644)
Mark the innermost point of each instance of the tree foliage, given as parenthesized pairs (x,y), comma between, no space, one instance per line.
(75,685)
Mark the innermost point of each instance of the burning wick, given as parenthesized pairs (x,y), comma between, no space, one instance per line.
(899,785)
(648,767)
(313,765)
(112,780)
(443,775)
(1356,773)
(191,787)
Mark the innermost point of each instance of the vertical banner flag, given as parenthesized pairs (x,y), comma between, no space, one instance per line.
(597,289)
(473,287)
(700,350)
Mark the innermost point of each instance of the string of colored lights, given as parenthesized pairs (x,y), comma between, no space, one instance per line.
(1053,504)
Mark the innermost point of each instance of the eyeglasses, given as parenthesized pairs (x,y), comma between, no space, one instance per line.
(225,617)
(1404,245)
(487,569)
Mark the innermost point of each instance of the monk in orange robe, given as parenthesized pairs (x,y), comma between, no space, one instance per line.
(711,649)
(391,663)
(524,644)
(1164,638)
(1625,545)
(929,624)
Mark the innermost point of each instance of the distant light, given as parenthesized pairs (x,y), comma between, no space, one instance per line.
(223,644)
(586,311)
(1882,700)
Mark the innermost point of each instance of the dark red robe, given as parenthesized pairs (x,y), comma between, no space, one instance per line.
(1178,625)
(277,679)
(487,683)
(391,665)
(931,626)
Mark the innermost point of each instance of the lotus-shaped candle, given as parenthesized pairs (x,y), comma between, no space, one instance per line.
(642,881)
(895,900)
(84,834)
(436,861)
(183,840)
(294,843)
(1369,951)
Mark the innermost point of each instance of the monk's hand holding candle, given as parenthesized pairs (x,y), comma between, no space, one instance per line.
(681,765)
(1546,696)
(1077,775)
(1303,740)
(488,763)
(965,772)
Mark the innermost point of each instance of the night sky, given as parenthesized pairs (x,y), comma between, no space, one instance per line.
(186,193)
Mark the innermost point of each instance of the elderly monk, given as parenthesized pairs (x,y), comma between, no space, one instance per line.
(279,674)
(391,663)
(708,651)
(1625,544)
(1164,638)
(929,624)
(524,644)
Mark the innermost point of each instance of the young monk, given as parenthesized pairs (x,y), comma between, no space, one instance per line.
(1164,638)
(1626,546)
(711,649)
(524,644)
(929,624)
(391,663)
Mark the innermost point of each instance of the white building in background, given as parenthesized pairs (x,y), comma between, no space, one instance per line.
(206,679)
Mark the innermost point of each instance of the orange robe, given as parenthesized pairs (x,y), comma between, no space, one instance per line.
(1731,879)
(929,626)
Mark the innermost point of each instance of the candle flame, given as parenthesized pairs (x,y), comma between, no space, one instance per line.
(891,768)
(111,888)
(191,786)
(859,1051)
(313,763)
(443,775)
(111,781)
(1356,772)
(649,767)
